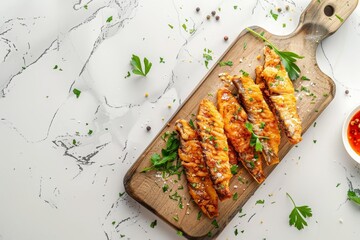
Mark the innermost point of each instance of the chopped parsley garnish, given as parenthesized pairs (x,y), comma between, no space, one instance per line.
(304,78)
(260,202)
(184,27)
(90,132)
(288,59)
(235,196)
(77,92)
(207,55)
(199,215)
(209,234)
(262,125)
(179,233)
(86,6)
(137,67)
(245,74)
(177,197)
(109,19)
(170,26)
(128,75)
(55,67)
(245,45)
(162,60)
(340,18)
(227,63)
(255,139)
(234,169)
(353,196)
(176,218)
(165,187)
(215,223)
(235,7)
(337,185)
(113,223)
(121,194)
(74,142)
(191,123)
(236,232)
(274,15)
(298,215)
(153,224)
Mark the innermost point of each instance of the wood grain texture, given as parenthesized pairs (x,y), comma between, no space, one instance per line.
(312,98)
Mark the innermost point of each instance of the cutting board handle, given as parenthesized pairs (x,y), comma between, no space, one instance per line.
(323,17)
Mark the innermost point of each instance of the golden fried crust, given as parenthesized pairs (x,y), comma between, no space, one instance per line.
(200,185)
(235,118)
(233,156)
(214,145)
(280,90)
(259,114)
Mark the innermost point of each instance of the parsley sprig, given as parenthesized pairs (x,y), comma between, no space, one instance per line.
(137,67)
(353,196)
(255,139)
(288,59)
(168,162)
(298,215)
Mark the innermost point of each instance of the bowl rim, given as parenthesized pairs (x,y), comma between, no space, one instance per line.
(346,143)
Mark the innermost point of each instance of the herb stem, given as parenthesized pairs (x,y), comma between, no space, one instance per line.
(291,199)
(260,36)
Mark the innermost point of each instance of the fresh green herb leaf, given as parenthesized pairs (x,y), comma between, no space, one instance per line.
(288,59)
(337,185)
(137,66)
(274,15)
(209,234)
(55,67)
(245,45)
(199,215)
(225,149)
(235,7)
(184,27)
(170,26)
(90,132)
(245,74)
(284,25)
(304,78)
(162,60)
(340,18)
(235,196)
(165,187)
(77,92)
(176,218)
(314,141)
(353,196)
(227,63)
(191,123)
(260,202)
(262,125)
(177,197)
(179,233)
(109,19)
(168,162)
(86,6)
(255,139)
(153,224)
(74,142)
(298,215)
(207,55)
(122,235)
(236,232)
(215,223)
(234,169)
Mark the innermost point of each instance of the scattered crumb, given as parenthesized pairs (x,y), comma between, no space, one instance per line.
(169,105)
(341,220)
(258,57)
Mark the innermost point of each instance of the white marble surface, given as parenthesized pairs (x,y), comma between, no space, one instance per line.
(53,189)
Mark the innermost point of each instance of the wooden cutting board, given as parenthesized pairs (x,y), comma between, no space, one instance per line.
(319,20)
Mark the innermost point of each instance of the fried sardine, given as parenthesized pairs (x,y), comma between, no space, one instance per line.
(259,114)
(235,117)
(199,184)
(280,95)
(214,145)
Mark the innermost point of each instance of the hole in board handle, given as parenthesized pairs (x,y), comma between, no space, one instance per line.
(329,10)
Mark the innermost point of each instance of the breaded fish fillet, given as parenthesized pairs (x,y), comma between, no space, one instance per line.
(263,120)
(214,145)
(235,117)
(280,91)
(199,184)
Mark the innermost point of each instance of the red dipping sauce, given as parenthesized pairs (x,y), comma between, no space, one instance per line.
(353,133)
